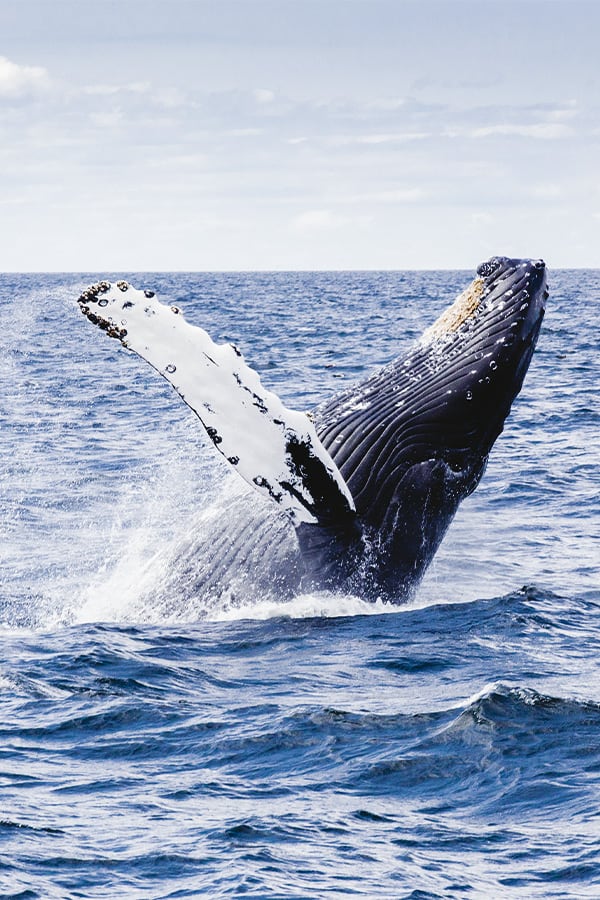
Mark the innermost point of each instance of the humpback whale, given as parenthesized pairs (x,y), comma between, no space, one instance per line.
(358,494)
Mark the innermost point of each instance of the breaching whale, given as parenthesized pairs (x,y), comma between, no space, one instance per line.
(361,492)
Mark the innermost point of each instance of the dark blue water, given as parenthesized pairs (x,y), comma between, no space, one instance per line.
(317,748)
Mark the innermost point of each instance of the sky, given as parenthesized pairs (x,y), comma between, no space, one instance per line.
(146,135)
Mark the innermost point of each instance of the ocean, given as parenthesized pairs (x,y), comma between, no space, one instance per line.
(321,747)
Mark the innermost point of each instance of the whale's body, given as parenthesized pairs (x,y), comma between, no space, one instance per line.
(359,495)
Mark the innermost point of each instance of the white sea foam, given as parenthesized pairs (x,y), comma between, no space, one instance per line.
(321,604)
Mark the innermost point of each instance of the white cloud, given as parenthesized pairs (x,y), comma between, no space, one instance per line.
(109,119)
(375,139)
(398,137)
(548,131)
(178,161)
(170,98)
(243,132)
(262,95)
(482,218)
(325,219)
(387,104)
(547,191)
(17,81)
(568,111)
(109,90)
(393,195)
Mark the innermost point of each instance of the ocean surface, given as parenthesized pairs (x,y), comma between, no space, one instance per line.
(322,747)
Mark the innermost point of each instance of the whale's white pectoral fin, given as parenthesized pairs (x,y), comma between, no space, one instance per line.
(273,448)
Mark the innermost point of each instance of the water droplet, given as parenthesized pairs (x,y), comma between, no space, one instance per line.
(103,302)
(469,395)
(170,368)
(493,365)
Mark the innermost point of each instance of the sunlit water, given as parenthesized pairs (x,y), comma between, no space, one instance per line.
(324,747)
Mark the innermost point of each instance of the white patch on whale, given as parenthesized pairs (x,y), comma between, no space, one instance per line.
(248,424)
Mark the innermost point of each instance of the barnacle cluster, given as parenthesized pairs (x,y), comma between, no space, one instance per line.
(90,295)
(94,295)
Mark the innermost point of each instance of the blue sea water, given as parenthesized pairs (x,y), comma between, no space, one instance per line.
(321,747)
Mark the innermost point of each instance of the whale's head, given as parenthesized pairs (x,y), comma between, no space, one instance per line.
(505,300)
(485,341)
(470,364)
(515,292)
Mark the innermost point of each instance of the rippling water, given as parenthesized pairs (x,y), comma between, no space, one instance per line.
(319,748)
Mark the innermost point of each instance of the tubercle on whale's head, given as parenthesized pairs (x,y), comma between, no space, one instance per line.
(501,266)
(511,282)
(514,300)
